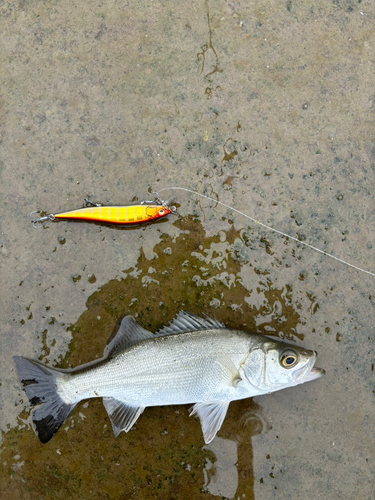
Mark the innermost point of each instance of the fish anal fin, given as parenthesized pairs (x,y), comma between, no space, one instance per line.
(128,334)
(121,414)
(212,415)
(188,322)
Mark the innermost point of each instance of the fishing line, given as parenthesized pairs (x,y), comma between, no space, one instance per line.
(174,188)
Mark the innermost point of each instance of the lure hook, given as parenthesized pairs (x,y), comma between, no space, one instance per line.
(38,223)
(89,202)
(161,202)
(172,208)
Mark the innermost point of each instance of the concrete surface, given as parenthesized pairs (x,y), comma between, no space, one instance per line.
(267,106)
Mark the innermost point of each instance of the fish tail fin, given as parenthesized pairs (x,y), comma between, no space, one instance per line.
(39,383)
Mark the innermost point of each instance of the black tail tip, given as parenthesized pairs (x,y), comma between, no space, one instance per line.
(46,428)
(39,383)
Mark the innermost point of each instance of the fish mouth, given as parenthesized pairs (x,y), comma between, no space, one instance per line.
(309,372)
(314,373)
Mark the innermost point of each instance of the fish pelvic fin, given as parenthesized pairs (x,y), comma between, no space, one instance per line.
(121,414)
(212,415)
(39,383)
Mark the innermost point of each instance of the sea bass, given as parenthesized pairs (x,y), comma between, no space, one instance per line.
(193,360)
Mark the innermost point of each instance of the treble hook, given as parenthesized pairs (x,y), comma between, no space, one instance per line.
(158,201)
(172,208)
(38,223)
(161,202)
(89,202)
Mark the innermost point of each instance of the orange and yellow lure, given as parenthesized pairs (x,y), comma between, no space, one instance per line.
(121,215)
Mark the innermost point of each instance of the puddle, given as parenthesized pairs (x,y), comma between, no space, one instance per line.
(221,478)
(163,455)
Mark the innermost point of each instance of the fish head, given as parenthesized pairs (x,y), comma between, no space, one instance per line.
(275,365)
(157,211)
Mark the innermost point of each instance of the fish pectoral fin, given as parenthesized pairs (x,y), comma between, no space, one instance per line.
(122,415)
(226,371)
(128,334)
(211,414)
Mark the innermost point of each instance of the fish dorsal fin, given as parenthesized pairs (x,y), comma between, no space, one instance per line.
(128,334)
(187,322)
(122,415)
(211,414)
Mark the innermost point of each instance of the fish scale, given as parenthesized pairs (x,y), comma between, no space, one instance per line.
(138,374)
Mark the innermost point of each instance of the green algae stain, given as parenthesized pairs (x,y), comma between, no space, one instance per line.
(162,456)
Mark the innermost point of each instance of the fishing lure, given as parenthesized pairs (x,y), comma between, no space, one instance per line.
(121,215)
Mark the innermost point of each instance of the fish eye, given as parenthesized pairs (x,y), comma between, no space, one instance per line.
(161,211)
(288,359)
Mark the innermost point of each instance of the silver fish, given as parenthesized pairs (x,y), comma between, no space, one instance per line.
(193,360)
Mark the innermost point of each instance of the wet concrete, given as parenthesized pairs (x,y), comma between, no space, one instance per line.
(167,436)
(267,107)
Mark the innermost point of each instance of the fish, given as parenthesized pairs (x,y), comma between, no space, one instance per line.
(193,360)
